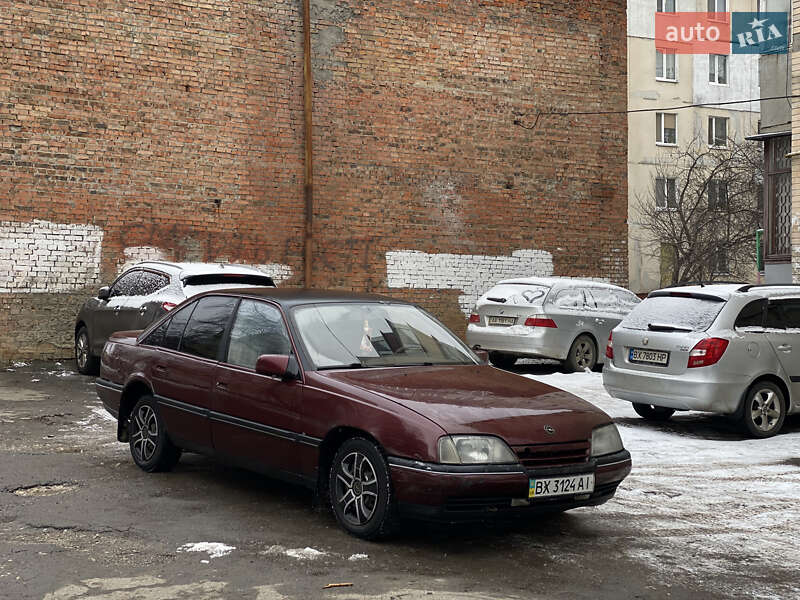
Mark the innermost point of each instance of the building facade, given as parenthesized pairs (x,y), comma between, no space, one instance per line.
(175,129)
(671,81)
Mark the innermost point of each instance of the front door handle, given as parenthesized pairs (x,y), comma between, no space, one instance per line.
(785,348)
(159,370)
(117,309)
(221,385)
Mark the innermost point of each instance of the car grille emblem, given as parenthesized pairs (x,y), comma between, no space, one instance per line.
(549,429)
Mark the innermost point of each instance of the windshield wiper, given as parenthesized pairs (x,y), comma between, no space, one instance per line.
(668,327)
(355,365)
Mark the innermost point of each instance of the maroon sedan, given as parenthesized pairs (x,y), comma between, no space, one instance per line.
(368,400)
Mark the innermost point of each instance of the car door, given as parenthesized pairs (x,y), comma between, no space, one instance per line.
(114,314)
(782,329)
(148,305)
(183,370)
(255,417)
(569,311)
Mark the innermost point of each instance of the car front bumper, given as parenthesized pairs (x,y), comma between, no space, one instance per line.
(452,494)
(689,391)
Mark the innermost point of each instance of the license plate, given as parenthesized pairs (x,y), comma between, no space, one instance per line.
(561,486)
(502,321)
(650,357)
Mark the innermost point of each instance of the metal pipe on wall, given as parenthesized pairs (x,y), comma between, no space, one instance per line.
(308,92)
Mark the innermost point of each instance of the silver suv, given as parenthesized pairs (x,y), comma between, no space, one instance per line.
(548,317)
(727,349)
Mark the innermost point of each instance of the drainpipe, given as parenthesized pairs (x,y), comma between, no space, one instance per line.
(308,181)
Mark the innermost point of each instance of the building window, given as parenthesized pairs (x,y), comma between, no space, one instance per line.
(717,132)
(717,6)
(777,198)
(719,262)
(665,67)
(665,193)
(717,195)
(665,5)
(666,128)
(718,69)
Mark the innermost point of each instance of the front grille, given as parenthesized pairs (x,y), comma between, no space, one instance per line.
(553,455)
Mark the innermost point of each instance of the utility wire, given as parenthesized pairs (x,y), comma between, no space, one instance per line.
(539,114)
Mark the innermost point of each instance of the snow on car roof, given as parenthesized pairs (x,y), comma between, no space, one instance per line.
(723,291)
(187,269)
(552,281)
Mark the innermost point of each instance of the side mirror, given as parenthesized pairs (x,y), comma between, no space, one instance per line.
(104,293)
(482,355)
(274,365)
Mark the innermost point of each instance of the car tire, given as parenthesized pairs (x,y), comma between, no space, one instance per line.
(360,489)
(502,360)
(151,448)
(653,413)
(87,363)
(764,410)
(582,354)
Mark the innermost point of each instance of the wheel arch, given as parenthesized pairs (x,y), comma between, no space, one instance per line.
(772,378)
(134,389)
(599,358)
(328,447)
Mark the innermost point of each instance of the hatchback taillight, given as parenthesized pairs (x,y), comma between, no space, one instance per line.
(473,318)
(168,305)
(610,346)
(707,352)
(540,321)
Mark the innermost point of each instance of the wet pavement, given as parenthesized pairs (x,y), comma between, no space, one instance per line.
(79,521)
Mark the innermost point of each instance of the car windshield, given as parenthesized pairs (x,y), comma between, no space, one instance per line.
(670,313)
(355,335)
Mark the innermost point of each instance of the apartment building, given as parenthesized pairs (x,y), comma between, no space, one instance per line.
(671,81)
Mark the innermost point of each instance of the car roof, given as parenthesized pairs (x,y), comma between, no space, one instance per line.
(288,297)
(725,291)
(188,269)
(554,281)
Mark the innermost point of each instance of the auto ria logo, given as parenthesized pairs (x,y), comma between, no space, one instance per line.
(722,32)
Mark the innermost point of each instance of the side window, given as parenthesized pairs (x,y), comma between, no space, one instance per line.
(752,315)
(791,314)
(150,282)
(258,329)
(172,338)
(774,318)
(126,285)
(206,327)
(158,335)
(570,298)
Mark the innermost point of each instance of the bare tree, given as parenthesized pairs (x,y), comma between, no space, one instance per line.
(703,210)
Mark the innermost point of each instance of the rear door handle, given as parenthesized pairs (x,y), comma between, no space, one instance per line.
(159,370)
(785,348)
(221,385)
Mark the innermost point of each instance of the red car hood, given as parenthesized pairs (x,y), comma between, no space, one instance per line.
(482,399)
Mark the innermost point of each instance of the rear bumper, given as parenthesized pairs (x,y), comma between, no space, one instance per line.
(110,395)
(518,339)
(681,392)
(432,492)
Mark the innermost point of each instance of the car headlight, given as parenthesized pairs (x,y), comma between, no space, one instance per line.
(474,450)
(606,440)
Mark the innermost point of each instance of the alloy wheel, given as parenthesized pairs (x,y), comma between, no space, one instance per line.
(356,490)
(82,350)
(144,433)
(765,409)
(584,354)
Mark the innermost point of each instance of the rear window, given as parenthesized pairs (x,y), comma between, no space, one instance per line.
(517,293)
(664,312)
(228,279)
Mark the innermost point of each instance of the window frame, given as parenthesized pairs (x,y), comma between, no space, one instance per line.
(661,6)
(717,185)
(771,173)
(226,346)
(712,131)
(660,129)
(666,206)
(715,59)
(713,6)
(663,65)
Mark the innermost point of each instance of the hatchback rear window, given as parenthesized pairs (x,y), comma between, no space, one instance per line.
(517,293)
(667,313)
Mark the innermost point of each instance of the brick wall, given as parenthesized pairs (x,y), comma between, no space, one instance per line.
(175,128)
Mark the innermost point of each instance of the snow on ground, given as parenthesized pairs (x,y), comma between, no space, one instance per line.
(707,499)
(213,549)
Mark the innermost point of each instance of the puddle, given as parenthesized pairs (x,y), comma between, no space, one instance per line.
(46,489)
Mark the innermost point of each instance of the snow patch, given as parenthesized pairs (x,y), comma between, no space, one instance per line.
(306,553)
(355,557)
(19,364)
(213,549)
(471,273)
